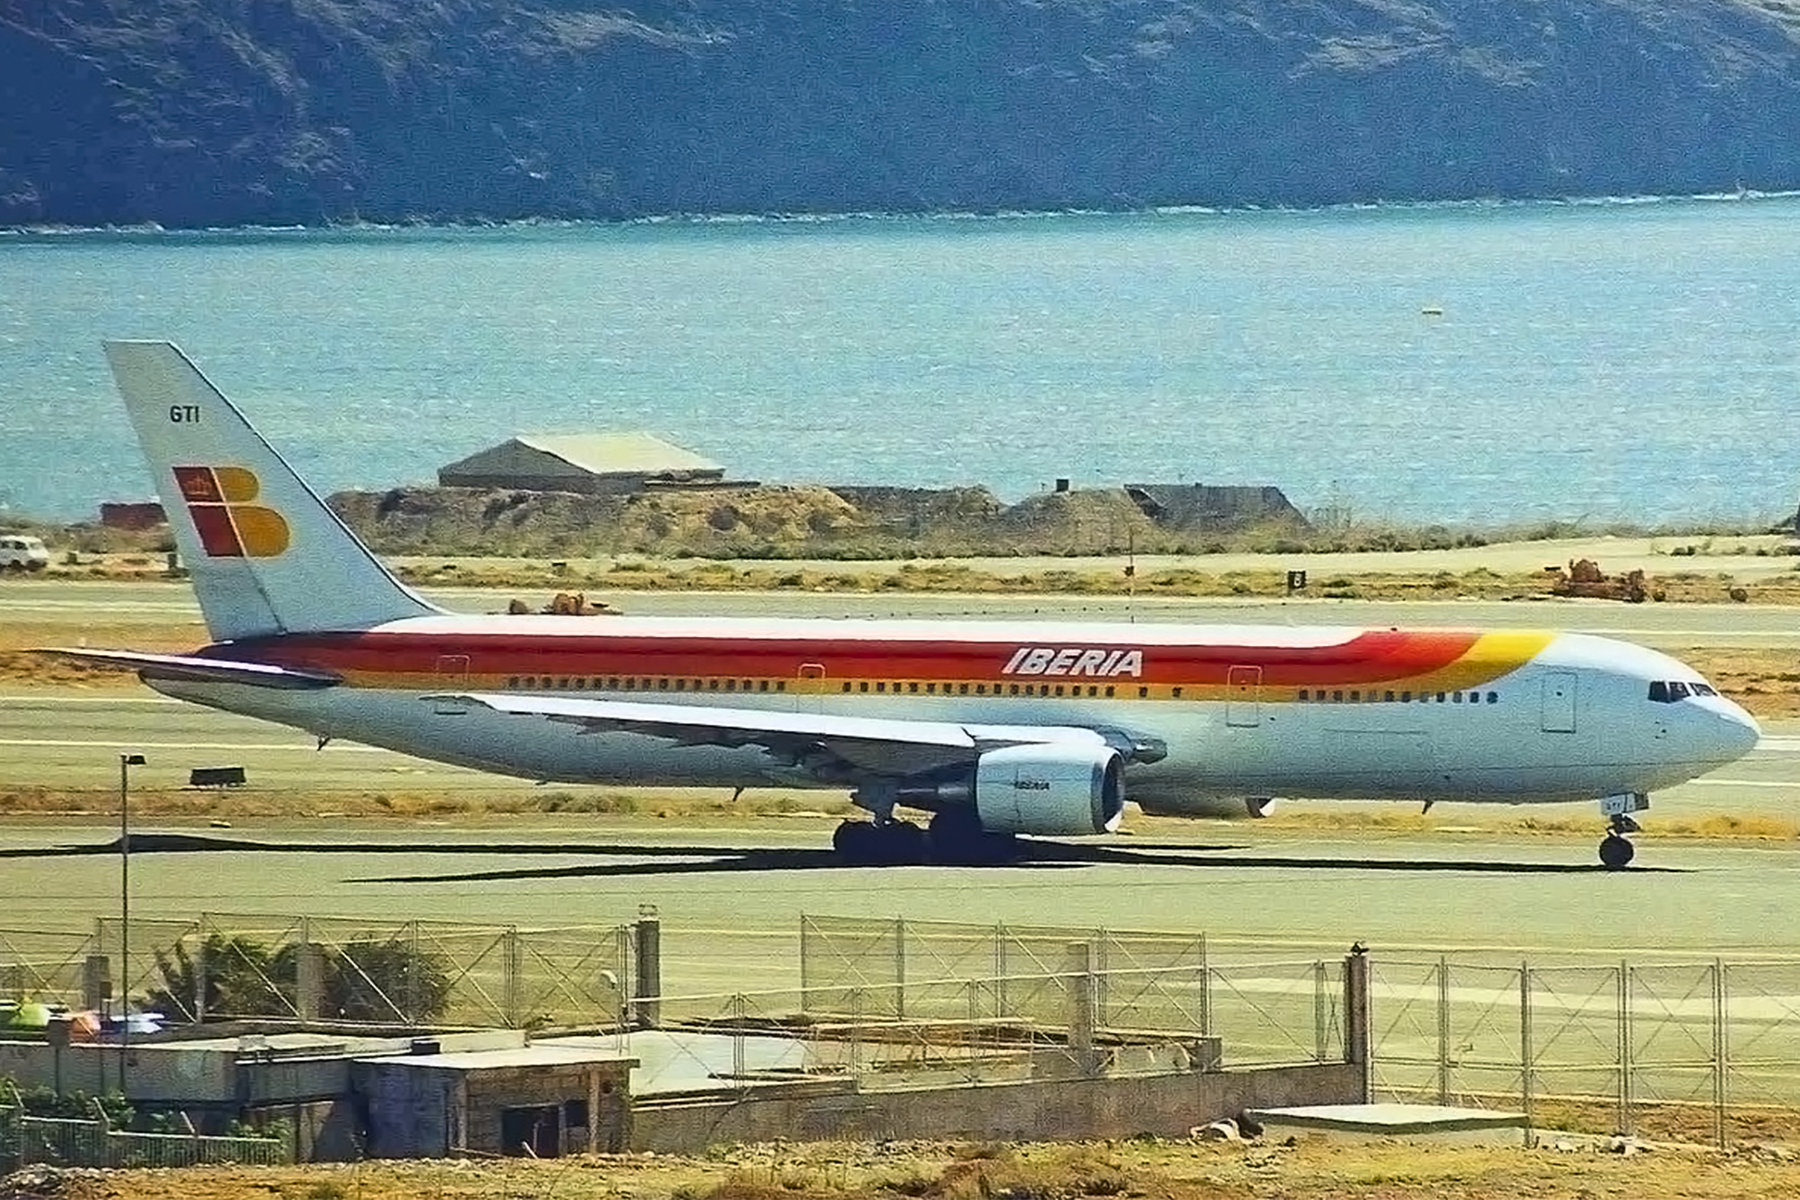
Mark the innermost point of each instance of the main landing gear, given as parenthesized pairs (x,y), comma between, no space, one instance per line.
(1616,850)
(955,838)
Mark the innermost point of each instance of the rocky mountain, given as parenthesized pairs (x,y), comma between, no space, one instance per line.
(222,112)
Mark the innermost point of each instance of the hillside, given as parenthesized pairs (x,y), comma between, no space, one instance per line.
(775,522)
(216,112)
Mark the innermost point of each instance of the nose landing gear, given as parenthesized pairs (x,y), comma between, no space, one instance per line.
(1616,850)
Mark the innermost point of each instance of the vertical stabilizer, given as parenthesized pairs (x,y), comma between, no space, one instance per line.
(267,556)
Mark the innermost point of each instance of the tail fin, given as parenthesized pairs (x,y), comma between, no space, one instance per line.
(266,554)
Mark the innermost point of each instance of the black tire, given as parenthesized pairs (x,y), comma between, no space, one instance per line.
(902,844)
(1616,852)
(858,843)
(956,839)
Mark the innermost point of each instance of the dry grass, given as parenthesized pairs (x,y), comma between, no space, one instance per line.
(1177,1170)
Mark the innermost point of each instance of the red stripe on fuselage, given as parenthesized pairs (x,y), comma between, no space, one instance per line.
(1369,657)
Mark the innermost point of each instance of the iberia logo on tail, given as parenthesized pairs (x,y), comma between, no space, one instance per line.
(230,526)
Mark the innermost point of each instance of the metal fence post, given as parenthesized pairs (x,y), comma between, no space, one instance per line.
(1527,1052)
(1358,1035)
(1206,1006)
(1443,1028)
(1721,1043)
(647,977)
(1627,1115)
(511,988)
(899,968)
(1321,1012)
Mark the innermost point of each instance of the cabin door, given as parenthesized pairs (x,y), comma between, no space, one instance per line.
(809,688)
(452,675)
(1559,702)
(1243,700)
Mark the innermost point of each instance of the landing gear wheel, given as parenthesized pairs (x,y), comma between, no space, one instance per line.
(865,844)
(956,839)
(903,843)
(857,843)
(1616,852)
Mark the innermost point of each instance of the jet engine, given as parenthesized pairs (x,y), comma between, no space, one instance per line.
(1049,789)
(1044,788)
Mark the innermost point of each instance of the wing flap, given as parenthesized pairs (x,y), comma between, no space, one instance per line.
(193,668)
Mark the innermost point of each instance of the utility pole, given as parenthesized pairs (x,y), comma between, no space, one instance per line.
(123,991)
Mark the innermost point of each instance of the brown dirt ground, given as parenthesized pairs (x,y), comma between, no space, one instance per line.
(1150,1168)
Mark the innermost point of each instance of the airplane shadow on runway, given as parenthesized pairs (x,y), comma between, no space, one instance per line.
(702,860)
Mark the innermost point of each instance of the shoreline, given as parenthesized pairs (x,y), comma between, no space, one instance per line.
(52,231)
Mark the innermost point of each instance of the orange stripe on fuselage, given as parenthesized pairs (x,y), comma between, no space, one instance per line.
(1421,660)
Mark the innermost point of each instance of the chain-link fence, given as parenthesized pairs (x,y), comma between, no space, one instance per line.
(1697,1050)
(222,966)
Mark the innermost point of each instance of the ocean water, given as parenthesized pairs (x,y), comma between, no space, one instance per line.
(1598,362)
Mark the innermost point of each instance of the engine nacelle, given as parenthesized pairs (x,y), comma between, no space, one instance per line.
(1050,789)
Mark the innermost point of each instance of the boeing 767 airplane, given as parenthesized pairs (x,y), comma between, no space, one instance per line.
(994,728)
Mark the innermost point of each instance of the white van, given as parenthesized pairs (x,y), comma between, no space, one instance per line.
(21,553)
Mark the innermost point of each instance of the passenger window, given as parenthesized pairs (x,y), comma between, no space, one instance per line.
(1493,697)
(1356,697)
(930,689)
(1659,691)
(962,689)
(1012,689)
(846,685)
(1059,689)
(1456,697)
(1143,692)
(863,686)
(1175,692)
(681,685)
(1337,697)
(881,687)
(781,685)
(1406,697)
(911,687)
(1109,691)
(513,681)
(1440,697)
(731,685)
(1387,697)
(980,689)
(762,685)
(1301,697)
(712,685)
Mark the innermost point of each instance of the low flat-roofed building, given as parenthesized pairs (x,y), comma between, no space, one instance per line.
(588,462)
(537,1100)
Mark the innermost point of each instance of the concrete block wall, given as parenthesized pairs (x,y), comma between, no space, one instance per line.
(1163,1105)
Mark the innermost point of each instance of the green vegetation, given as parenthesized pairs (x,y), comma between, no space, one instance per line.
(369,978)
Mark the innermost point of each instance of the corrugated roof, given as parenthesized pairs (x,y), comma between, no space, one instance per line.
(618,453)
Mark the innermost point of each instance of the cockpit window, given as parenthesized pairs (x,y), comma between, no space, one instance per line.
(1668,691)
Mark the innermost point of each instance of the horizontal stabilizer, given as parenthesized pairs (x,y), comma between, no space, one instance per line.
(204,670)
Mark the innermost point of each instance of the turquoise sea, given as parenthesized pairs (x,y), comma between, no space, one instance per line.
(1600,362)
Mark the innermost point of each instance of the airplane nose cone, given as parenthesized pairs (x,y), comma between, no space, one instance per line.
(1737,733)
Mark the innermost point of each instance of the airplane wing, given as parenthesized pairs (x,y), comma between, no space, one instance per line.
(853,745)
(192,667)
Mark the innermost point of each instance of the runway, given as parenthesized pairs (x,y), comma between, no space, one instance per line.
(75,606)
(732,898)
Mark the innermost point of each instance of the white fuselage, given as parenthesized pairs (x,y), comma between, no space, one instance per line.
(1573,721)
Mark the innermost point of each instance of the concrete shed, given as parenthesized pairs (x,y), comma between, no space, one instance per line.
(590,463)
(544,1101)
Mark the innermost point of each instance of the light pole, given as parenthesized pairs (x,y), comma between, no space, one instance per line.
(126,762)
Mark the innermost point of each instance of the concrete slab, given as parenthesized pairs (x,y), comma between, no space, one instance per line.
(1364,1122)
